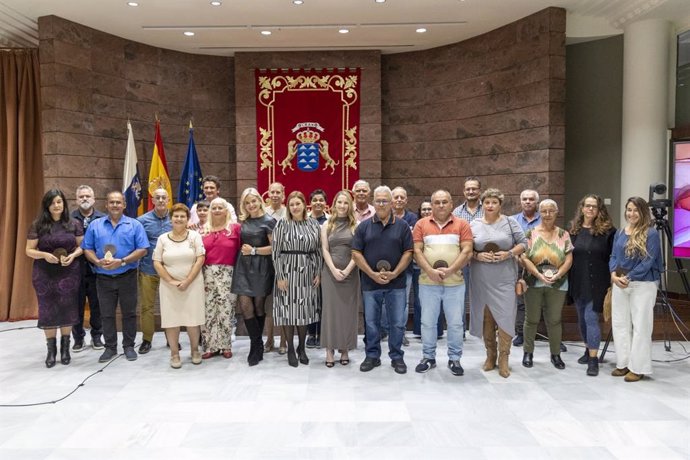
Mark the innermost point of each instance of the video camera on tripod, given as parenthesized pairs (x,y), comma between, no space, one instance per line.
(658,188)
(659,211)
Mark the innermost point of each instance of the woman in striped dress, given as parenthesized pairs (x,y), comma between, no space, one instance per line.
(298,260)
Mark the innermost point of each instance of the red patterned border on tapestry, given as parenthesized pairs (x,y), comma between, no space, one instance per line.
(307,126)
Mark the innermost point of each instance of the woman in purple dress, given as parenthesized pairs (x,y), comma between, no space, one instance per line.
(54,241)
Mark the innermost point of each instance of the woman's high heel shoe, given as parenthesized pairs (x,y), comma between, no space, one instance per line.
(292,358)
(303,358)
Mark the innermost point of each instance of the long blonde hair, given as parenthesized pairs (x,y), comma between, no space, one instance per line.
(636,245)
(228,217)
(330,225)
(244,214)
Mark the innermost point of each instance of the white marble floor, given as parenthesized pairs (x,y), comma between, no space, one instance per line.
(224,409)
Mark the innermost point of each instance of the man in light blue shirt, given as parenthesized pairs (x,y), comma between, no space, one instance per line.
(528,218)
(155,222)
(114,244)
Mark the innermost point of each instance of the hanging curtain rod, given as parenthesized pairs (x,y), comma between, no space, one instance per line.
(285,69)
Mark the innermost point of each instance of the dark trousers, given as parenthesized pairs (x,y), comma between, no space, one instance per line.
(87,289)
(314,329)
(520,315)
(122,289)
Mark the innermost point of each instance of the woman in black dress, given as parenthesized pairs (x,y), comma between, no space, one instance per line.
(54,241)
(592,233)
(252,280)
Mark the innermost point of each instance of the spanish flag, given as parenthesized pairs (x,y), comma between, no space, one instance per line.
(158,174)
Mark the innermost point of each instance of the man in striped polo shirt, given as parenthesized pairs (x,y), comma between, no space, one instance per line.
(442,247)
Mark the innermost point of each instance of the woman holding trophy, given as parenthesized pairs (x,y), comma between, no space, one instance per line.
(54,241)
(547,261)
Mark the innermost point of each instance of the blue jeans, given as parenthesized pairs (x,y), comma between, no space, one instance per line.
(417,320)
(453,299)
(384,316)
(395,303)
(588,320)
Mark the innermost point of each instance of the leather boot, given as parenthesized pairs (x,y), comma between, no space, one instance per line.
(252,325)
(260,350)
(65,358)
(504,344)
(593,366)
(52,352)
(489,334)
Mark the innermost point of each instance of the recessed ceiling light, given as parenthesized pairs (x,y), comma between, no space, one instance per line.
(216,3)
(298,2)
(421,30)
(189,33)
(344,31)
(265,32)
(132,4)
(380,1)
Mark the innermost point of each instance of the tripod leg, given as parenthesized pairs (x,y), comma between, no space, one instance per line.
(606,345)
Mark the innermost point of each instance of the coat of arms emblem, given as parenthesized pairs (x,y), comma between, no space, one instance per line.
(308,152)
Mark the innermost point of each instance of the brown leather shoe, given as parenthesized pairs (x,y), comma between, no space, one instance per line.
(227,354)
(633,377)
(210,354)
(620,372)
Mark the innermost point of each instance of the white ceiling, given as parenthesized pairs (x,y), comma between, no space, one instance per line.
(390,27)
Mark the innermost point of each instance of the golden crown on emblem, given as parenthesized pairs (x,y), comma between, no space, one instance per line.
(308,136)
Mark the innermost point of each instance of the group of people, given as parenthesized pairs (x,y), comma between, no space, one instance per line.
(311,272)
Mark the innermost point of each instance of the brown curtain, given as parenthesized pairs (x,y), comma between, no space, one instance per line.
(21,177)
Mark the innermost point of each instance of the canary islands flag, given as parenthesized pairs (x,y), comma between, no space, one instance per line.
(131,185)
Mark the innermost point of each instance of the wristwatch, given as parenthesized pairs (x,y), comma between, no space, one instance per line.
(253,251)
(123,263)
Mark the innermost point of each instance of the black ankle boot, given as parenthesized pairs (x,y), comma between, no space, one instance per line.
(291,356)
(260,349)
(52,352)
(584,359)
(65,358)
(593,366)
(252,325)
(302,353)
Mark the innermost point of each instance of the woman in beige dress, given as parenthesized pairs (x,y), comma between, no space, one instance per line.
(178,258)
(340,291)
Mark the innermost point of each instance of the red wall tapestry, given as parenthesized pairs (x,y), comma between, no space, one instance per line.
(307,126)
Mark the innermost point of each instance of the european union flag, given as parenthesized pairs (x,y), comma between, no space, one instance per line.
(191,189)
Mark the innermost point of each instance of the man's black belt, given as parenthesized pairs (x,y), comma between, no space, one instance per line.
(119,275)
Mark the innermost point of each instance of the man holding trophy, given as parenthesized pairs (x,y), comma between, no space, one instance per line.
(114,244)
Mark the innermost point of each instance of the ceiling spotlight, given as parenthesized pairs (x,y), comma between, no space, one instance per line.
(344,31)
(380,1)
(216,3)
(265,32)
(298,2)
(189,33)
(132,4)
(421,30)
